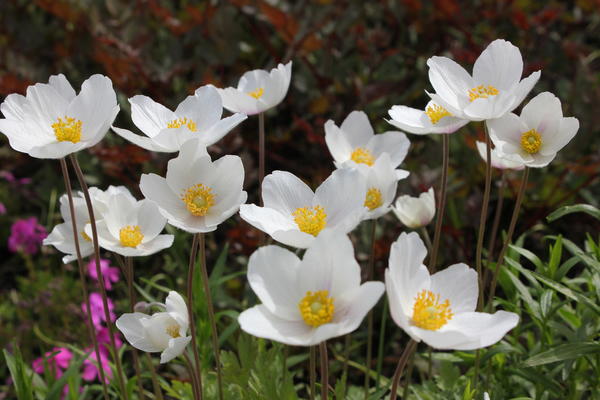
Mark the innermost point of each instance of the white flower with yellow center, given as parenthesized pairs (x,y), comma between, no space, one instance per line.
(433,119)
(534,137)
(198,116)
(197,193)
(164,332)
(129,227)
(498,160)
(308,301)
(258,90)
(52,121)
(382,183)
(439,309)
(415,212)
(354,142)
(494,89)
(295,215)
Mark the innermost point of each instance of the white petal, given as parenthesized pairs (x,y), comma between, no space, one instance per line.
(204,108)
(294,238)
(458,284)
(177,308)
(499,65)
(149,219)
(217,131)
(396,144)
(566,131)
(62,86)
(543,108)
(175,349)
(519,93)
(337,142)
(142,141)
(450,81)
(131,326)
(149,116)
(46,105)
(357,129)
(240,102)
(15,107)
(342,195)
(285,192)
(156,189)
(266,219)
(260,322)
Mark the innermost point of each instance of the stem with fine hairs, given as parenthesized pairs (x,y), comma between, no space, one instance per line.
(193,376)
(441,206)
(197,368)
(370,269)
(408,350)
(211,313)
(312,372)
(483,218)
(136,360)
(324,370)
(111,333)
(511,231)
(90,325)
(496,223)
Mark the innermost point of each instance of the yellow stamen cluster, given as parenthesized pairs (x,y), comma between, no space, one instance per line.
(198,199)
(429,313)
(86,236)
(67,129)
(316,308)
(531,141)
(130,236)
(178,123)
(173,331)
(436,112)
(482,92)
(257,94)
(362,156)
(373,199)
(310,220)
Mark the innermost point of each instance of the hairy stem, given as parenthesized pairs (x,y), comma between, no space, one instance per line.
(370,269)
(324,370)
(408,350)
(197,374)
(441,206)
(136,360)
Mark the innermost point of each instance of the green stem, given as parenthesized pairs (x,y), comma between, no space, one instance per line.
(381,343)
(441,203)
(111,333)
(86,297)
(197,391)
(211,313)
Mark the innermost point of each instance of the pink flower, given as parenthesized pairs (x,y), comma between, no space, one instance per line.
(110,274)
(56,361)
(2,209)
(90,371)
(26,235)
(103,337)
(11,178)
(97,310)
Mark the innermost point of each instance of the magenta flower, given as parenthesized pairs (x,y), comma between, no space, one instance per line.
(26,235)
(97,310)
(103,337)
(110,274)
(2,209)
(90,371)
(12,179)
(57,361)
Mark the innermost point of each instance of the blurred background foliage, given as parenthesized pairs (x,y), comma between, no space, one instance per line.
(347,55)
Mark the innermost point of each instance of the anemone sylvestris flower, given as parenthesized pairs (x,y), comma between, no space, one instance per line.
(439,309)
(294,215)
(433,119)
(534,137)
(129,227)
(258,90)
(198,116)
(164,332)
(197,194)
(51,121)
(497,160)
(354,142)
(308,301)
(415,212)
(494,89)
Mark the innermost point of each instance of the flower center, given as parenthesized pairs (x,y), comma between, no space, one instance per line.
(178,123)
(435,113)
(429,313)
(362,156)
(173,331)
(257,94)
(67,129)
(198,199)
(130,236)
(316,308)
(310,220)
(531,141)
(373,199)
(86,236)
(482,92)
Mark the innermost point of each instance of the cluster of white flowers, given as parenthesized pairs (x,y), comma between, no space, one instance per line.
(303,301)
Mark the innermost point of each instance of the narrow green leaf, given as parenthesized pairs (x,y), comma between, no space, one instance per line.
(563,352)
(586,208)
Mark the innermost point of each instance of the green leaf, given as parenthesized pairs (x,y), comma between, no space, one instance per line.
(22,378)
(563,352)
(568,292)
(555,256)
(585,208)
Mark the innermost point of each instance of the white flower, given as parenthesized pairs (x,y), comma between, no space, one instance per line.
(129,227)
(497,160)
(415,212)
(61,236)
(305,302)
(494,89)
(439,309)
(164,331)
(258,90)
(294,215)
(382,183)
(434,119)
(354,142)
(537,135)
(51,121)
(197,194)
(198,116)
